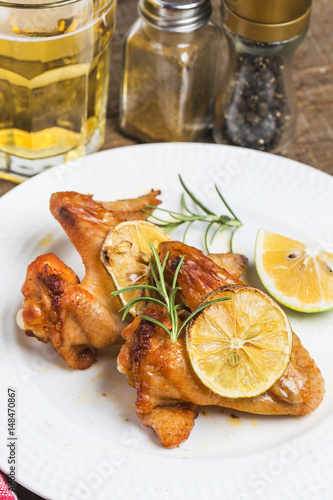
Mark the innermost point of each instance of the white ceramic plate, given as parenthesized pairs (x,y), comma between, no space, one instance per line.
(78,435)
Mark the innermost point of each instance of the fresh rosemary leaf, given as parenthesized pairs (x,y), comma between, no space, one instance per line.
(196,201)
(132,287)
(177,219)
(168,300)
(152,320)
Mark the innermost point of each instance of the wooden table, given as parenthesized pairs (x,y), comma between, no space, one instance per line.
(313,75)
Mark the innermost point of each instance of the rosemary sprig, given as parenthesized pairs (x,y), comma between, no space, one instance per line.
(168,299)
(223,222)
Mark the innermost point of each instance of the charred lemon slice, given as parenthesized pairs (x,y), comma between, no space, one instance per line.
(240,347)
(298,276)
(126,254)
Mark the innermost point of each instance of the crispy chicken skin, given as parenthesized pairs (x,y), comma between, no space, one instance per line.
(78,317)
(87,222)
(235,263)
(130,209)
(199,275)
(57,308)
(172,424)
(163,376)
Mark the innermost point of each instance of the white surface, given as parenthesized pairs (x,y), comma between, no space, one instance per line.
(75,443)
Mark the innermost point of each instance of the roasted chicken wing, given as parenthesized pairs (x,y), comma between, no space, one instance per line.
(78,317)
(235,263)
(168,390)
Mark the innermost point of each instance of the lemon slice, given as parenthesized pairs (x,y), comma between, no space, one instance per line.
(126,254)
(298,276)
(240,347)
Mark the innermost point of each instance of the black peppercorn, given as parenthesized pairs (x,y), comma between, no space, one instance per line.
(256,106)
(256,111)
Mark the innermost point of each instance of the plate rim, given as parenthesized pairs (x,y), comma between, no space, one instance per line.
(45,175)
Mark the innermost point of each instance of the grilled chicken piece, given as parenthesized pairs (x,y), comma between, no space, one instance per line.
(78,317)
(60,310)
(163,376)
(87,222)
(130,209)
(235,263)
(199,275)
(172,424)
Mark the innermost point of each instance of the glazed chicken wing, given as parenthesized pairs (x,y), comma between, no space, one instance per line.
(234,263)
(60,310)
(78,317)
(168,390)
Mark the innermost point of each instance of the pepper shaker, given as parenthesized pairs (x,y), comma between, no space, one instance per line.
(256,104)
(169,67)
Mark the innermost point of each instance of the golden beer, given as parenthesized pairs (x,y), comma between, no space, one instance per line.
(54,74)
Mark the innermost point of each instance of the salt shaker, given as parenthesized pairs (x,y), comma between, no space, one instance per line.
(256,104)
(169,67)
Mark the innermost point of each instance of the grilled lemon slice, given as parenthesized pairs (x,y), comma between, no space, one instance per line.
(126,254)
(298,276)
(240,347)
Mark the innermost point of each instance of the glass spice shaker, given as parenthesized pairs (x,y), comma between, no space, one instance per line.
(256,105)
(169,67)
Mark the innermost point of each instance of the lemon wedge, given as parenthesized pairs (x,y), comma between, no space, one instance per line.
(240,347)
(126,254)
(297,275)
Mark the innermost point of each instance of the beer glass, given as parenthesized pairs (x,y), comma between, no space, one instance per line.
(54,75)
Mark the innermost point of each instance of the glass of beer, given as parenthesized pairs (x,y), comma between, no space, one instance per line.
(54,76)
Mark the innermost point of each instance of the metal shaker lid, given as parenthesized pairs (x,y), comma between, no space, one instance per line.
(267,20)
(176,15)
